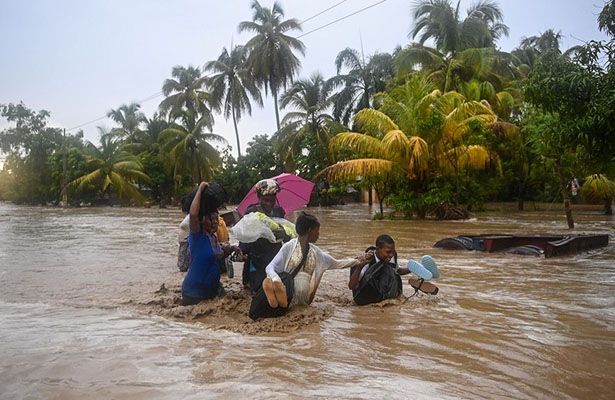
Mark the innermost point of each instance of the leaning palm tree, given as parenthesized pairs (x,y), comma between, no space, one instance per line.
(359,84)
(310,101)
(186,91)
(189,148)
(231,85)
(270,51)
(111,169)
(130,118)
(439,21)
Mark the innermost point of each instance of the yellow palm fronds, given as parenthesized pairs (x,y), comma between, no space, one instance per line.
(349,171)
(358,142)
(598,188)
(374,122)
(469,157)
(505,129)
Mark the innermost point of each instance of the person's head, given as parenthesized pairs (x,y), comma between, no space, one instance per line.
(385,248)
(267,190)
(215,220)
(209,220)
(308,225)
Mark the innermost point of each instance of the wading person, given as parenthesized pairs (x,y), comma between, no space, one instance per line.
(380,279)
(295,272)
(203,278)
(258,254)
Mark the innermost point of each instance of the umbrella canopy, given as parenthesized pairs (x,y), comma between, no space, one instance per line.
(294,193)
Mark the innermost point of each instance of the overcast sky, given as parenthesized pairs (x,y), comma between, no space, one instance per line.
(80,58)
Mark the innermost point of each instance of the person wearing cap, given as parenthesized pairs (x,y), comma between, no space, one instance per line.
(258,255)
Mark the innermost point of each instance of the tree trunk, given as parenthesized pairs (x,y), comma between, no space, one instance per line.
(520,194)
(370,200)
(236,132)
(608,210)
(380,200)
(562,184)
(274,91)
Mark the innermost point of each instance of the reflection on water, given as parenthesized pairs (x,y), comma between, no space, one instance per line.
(504,326)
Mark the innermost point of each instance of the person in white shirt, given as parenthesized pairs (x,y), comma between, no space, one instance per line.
(295,272)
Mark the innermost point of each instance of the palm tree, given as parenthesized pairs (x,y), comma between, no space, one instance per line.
(186,92)
(360,83)
(270,51)
(112,169)
(418,153)
(599,188)
(385,152)
(188,147)
(232,84)
(450,71)
(309,99)
(146,139)
(548,40)
(129,117)
(438,20)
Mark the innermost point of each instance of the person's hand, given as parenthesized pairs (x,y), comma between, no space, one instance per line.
(203,186)
(367,257)
(281,234)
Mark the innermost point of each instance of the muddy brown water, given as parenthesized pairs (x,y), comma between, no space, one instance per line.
(83,314)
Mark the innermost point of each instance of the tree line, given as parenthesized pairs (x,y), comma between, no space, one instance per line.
(442,124)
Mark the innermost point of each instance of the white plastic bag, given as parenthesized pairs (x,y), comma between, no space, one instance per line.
(250,228)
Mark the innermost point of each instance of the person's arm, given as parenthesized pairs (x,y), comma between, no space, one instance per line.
(195,224)
(355,278)
(228,248)
(278,263)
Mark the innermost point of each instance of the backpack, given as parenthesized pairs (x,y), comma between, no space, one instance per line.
(380,282)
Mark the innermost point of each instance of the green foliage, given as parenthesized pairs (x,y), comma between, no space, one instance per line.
(413,202)
(270,50)
(260,162)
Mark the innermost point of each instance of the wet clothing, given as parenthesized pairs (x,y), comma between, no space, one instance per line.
(183,255)
(260,253)
(203,278)
(307,280)
(379,281)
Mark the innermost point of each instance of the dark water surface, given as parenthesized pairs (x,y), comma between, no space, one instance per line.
(504,326)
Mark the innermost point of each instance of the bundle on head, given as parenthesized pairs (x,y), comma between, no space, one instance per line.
(212,198)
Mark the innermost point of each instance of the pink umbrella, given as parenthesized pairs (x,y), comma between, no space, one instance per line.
(294,193)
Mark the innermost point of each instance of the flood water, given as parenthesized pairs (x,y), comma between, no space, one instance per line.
(503,326)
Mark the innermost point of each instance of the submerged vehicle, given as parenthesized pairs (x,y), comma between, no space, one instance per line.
(535,245)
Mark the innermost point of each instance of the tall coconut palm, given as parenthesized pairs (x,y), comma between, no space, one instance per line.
(360,83)
(231,85)
(270,51)
(186,92)
(130,118)
(189,148)
(439,21)
(146,139)
(310,101)
(112,169)
(448,72)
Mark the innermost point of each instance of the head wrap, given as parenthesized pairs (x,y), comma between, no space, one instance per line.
(267,187)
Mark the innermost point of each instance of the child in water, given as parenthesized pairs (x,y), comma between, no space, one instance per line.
(380,279)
